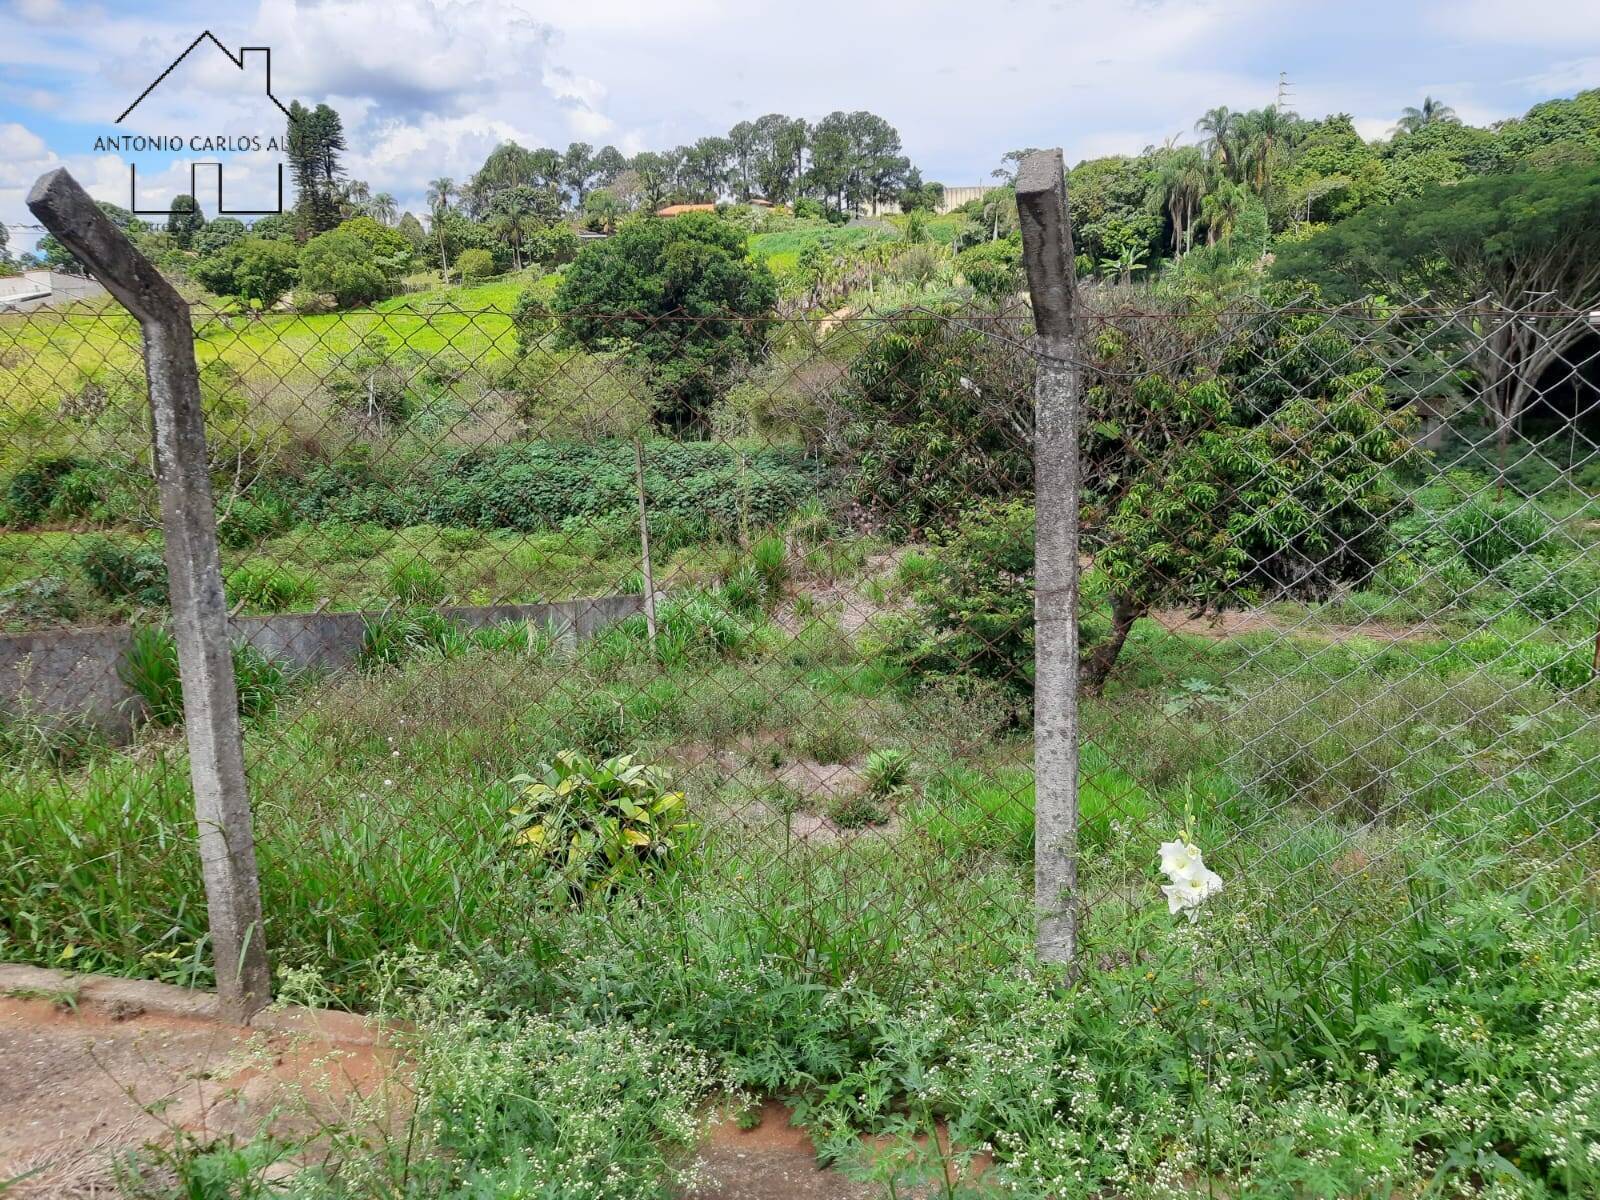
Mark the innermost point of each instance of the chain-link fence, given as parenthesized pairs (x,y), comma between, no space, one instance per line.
(716,634)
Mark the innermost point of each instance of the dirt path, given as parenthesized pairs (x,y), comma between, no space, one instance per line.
(96,1068)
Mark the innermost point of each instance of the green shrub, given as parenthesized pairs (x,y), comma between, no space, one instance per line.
(887,772)
(31,493)
(974,609)
(857,810)
(136,574)
(770,557)
(247,523)
(265,586)
(45,598)
(934,410)
(414,582)
(393,638)
(1491,533)
(595,825)
(1550,588)
(474,265)
(151,669)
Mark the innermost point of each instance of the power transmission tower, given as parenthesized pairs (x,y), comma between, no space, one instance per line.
(1284,95)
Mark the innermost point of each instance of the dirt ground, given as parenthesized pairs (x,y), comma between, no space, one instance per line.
(96,1069)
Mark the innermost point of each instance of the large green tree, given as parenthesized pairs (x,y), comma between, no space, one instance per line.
(680,296)
(1518,255)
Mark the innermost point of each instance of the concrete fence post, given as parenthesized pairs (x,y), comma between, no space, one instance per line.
(199,609)
(1048,258)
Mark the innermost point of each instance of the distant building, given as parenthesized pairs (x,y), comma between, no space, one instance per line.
(954,198)
(673,210)
(44,289)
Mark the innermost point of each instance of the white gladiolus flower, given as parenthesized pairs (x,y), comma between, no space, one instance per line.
(1191,881)
(1178,857)
(1188,892)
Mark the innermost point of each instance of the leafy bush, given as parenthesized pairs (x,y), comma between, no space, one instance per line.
(974,606)
(151,669)
(694,489)
(136,574)
(265,586)
(45,598)
(1551,588)
(474,265)
(255,270)
(341,264)
(595,825)
(992,269)
(32,491)
(1492,532)
(939,416)
(373,382)
(248,523)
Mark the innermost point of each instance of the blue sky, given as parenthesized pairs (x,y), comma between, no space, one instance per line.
(427,87)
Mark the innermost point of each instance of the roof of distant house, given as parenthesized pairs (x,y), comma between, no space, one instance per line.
(673,210)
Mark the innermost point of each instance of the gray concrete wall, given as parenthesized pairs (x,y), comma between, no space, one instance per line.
(74,672)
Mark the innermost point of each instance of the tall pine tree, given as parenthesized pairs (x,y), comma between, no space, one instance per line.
(315,144)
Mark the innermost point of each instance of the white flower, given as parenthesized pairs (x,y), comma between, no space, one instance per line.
(1191,882)
(1178,858)
(1188,892)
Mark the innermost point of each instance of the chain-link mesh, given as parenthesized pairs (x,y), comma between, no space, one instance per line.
(1339,598)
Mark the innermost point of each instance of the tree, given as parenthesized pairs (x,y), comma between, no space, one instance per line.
(253,269)
(1512,251)
(411,229)
(384,208)
(218,235)
(1179,188)
(654,173)
(1220,126)
(1432,112)
(602,210)
(341,264)
(5,245)
(681,296)
(314,145)
(184,220)
(439,193)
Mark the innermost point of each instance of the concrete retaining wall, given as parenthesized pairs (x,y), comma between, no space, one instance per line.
(75,672)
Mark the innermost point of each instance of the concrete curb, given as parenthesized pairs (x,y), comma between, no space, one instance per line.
(124,998)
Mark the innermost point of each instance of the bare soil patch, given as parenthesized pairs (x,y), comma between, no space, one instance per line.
(96,1069)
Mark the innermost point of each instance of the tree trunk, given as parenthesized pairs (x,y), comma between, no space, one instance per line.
(1124,612)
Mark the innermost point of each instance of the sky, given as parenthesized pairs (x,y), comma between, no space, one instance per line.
(428,87)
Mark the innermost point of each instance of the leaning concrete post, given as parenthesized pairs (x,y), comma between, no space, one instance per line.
(199,610)
(1047,255)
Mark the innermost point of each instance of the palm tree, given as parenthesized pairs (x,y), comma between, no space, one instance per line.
(384,208)
(1221,126)
(1260,134)
(1220,211)
(1432,112)
(1180,184)
(439,192)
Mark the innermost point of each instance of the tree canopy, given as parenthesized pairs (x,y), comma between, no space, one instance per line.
(680,296)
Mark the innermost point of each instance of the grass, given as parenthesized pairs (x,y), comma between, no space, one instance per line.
(1321,1010)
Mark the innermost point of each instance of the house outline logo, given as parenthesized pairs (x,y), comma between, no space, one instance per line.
(238,60)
